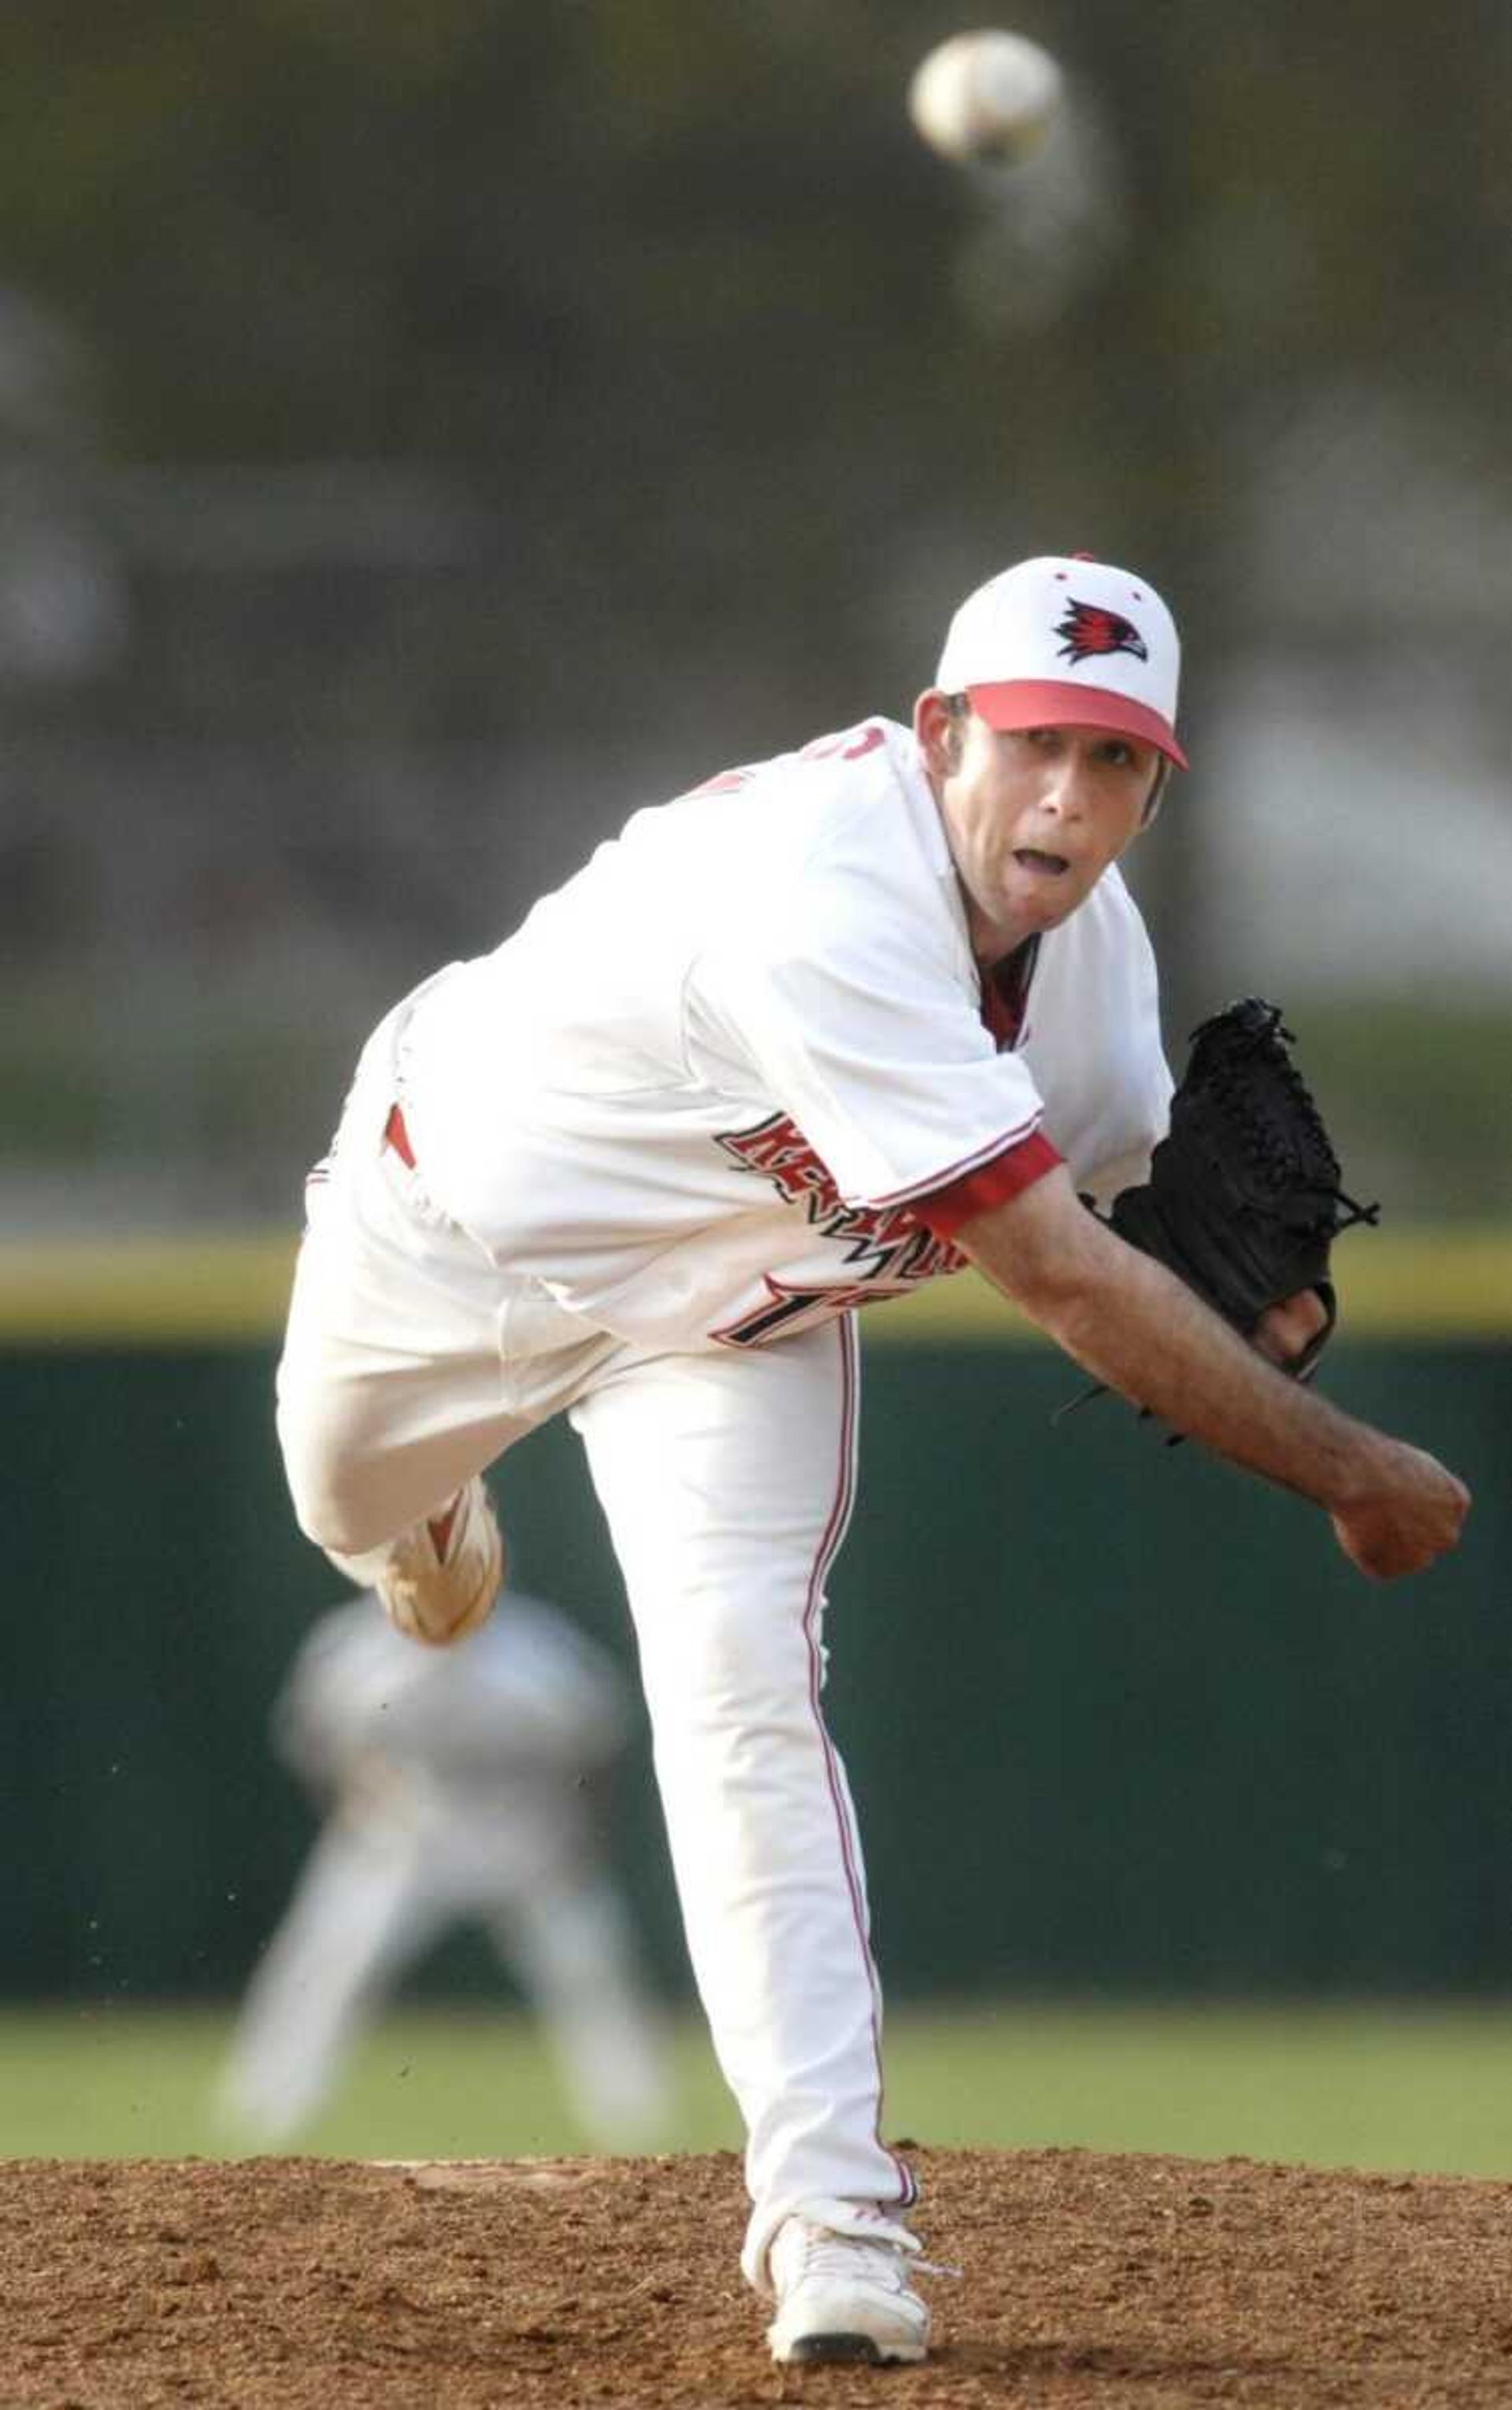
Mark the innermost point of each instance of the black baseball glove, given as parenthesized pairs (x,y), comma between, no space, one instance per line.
(1243,1200)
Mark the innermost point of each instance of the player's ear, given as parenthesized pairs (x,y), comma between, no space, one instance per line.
(1151,801)
(937,727)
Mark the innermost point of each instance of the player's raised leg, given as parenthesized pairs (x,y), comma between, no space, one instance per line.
(727,1480)
(384,1447)
(409,1365)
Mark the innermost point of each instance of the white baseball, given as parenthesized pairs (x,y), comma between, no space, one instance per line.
(987,97)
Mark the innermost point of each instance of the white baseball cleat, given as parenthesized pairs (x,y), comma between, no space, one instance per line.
(842,2290)
(441,1577)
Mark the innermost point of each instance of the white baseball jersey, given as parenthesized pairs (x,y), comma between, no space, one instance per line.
(702,1092)
(527,1703)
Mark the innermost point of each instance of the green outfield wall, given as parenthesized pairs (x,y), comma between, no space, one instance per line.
(1116,1716)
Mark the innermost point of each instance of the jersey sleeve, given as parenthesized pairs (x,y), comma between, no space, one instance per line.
(871,1038)
(947,1209)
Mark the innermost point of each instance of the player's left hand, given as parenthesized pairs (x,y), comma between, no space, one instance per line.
(1285,1332)
(1243,1200)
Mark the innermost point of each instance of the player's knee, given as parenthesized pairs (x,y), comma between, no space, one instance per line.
(332,1506)
(738,1658)
(329,1518)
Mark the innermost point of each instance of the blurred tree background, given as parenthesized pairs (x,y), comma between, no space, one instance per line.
(427,434)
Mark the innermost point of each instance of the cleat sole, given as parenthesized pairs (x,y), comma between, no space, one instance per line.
(864,2350)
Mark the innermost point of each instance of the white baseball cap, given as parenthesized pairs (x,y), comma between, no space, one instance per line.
(1062,642)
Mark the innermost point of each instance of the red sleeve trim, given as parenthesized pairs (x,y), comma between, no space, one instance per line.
(993,1183)
(939,1181)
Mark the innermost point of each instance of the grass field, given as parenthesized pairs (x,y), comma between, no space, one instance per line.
(1408,2087)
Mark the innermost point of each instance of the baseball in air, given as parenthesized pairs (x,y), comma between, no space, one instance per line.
(989,97)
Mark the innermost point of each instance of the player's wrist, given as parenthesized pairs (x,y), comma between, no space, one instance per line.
(1357,1464)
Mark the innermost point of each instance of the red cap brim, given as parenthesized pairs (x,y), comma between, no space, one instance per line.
(1056,702)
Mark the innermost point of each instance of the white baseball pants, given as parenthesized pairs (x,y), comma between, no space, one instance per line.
(412,1363)
(379,1888)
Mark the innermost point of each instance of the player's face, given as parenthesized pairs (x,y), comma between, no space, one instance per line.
(1033,817)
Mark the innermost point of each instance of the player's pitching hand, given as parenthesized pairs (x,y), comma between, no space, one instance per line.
(1411,1511)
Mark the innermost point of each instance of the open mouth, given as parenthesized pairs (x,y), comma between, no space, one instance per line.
(1050,866)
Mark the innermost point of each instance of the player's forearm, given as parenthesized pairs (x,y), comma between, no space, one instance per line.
(1147,1336)
(1134,1326)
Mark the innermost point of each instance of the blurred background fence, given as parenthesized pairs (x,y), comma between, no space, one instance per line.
(1116,1718)
(425,435)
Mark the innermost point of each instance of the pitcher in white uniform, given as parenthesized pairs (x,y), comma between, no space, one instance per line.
(827,1028)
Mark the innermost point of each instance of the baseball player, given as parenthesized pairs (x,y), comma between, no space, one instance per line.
(827,1028)
(454,1786)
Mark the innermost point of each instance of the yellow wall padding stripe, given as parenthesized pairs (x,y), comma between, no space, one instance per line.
(1450,1281)
(158,1291)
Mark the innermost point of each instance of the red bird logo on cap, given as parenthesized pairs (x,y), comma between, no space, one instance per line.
(1090,630)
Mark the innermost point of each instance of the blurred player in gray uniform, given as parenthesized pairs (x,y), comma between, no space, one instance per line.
(458,1787)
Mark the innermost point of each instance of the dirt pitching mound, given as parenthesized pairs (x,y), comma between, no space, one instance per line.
(321,2285)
